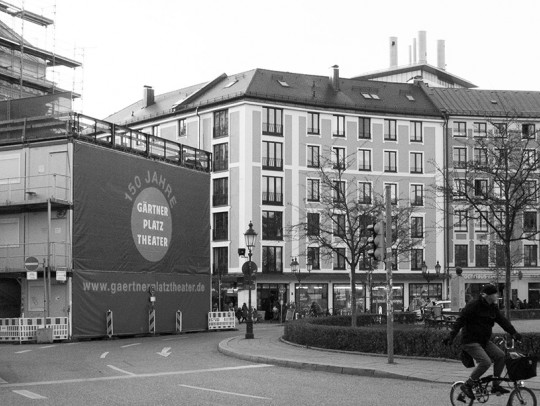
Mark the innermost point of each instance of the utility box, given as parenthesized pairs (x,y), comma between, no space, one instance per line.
(44,335)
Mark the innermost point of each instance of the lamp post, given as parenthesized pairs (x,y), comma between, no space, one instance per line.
(250,237)
(295,269)
(430,276)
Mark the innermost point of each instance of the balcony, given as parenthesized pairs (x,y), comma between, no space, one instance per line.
(272,129)
(221,131)
(221,165)
(275,199)
(220,234)
(12,256)
(220,200)
(273,164)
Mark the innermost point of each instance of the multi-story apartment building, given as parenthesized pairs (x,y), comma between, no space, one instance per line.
(268,132)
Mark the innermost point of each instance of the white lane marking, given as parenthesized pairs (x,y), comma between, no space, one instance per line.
(2,381)
(129,345)
(28,394)
(104,354)
(22,352)
(174,338)
(47,346)
(165,352)
(121,370)
(225,392)
(116,377)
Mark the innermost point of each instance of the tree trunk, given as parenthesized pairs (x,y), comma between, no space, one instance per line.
(507,283)
(353,297)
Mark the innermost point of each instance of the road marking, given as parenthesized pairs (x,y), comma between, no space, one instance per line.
(2,381)
(28,394)
(165,352)
(175,338)
(22,352)
(48,346)
(132,376)
(104,354)
(129,345)
(225,392)
(121,370)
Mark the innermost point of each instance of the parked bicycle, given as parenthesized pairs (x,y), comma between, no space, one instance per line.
(518,368)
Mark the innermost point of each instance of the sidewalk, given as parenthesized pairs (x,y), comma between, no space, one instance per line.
(268,348)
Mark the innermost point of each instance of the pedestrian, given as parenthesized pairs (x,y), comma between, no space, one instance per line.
(244,312)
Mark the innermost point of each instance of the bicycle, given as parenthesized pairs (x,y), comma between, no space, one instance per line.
(519,394)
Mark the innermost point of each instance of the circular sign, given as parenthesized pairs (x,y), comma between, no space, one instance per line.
(281,289)
(31,263)
(246,267)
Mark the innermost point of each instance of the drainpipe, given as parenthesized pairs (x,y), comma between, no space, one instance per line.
(446,203)
(198,127)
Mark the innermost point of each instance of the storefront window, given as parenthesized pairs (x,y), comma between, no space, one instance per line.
(307,293)
(342,299)
(534,295)
(424,291)
(378,298)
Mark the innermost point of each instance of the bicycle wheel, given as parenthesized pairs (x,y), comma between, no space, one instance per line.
(522,396)
(457,397)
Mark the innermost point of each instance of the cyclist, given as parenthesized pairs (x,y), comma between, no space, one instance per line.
(477,319)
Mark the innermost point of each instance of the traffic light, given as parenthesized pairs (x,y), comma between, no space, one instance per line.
(375,246)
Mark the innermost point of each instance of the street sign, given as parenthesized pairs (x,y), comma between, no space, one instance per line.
(246,267)
(281,290)
(31,275)
(61,276)
(31,263)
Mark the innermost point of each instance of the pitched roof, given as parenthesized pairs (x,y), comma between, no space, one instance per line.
(477,102)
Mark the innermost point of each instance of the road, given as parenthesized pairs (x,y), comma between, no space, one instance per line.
(184,370)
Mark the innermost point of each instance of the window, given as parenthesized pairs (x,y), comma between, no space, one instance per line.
(220,264)
(364,192)
(364,128)
(460,129)
(390,133)
(272,155)
(338,190)
(9,232)
(528,131)
(530,255)
(221,226)
(461,253)
(313,190)
(530,190)
(417,195)
(480,156)
(221,157)
(460,221)
(314,255)
(480,221)
(393,192)
(313,123)
(272,259)
(220,196)
(417,162)
(417,227)
(529,222)
(339,259)
(480,129)
(460,157)
(182,128)
(390,161)
(272,190)
(339,225)
(272,121)
(364,160)
(416,131)
(529,157)
(500,129)
(481,255)
(221,123)
(313,156)
(313,228)
(480,187)
(417,257)
(339,126)
(272,225)
(338,158)
(460,189)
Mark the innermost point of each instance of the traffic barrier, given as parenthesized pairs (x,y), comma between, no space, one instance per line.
(152,321)
(25,329)
(221,320)
(110,324)
(178,321)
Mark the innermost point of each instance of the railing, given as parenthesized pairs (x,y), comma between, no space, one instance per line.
(12,256)
(220,200)
(37,188)
(272,129)
(221,164)
(272,198)
(272,163)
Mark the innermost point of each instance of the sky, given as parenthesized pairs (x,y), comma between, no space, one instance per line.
(170,44)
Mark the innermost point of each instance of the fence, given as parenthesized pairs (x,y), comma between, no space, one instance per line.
(25,329)
(221,320)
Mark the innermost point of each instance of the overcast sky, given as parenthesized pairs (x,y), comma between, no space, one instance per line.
(170,44)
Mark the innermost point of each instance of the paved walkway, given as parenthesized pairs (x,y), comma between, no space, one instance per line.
(267,347)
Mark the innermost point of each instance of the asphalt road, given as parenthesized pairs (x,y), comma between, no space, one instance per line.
(184,370)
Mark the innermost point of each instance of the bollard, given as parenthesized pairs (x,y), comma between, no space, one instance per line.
(152,321)
(110,331)
(178,321)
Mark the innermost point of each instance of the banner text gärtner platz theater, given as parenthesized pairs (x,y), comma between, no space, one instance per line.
(139,224)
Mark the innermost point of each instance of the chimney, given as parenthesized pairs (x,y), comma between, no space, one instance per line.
(148,96)
(414,50)
(441,63)
(334,77)
(410,54)
(393,52)
(422,50)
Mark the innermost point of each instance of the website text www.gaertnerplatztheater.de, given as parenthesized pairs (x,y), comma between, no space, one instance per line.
(125,287)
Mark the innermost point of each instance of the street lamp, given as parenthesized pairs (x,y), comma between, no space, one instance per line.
(430,276)
(250,237)
(295,269)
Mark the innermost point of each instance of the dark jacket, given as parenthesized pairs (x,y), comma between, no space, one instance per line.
(477,320)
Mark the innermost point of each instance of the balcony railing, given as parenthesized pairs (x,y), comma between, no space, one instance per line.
(272,129)
(220,200)
(220,234)
(272,164)
(12,256)
(272,198)
(35,189)
(221,164)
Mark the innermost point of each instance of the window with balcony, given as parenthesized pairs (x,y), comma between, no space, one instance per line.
(338,158)
(390,131)
(339,259)
(530,255)
(530,222)
(272,259)
(313,226)
(461,255)
(221,123)
(220,229)
(220,195)
(339,126)
(220,265)
(272,225)
(364,160)
(364,125)
(417,227)
(461,221)
(390,161)
(313,190)
(313,155)
(460,158)
(314,255)
(313,124)
(479,129)
(182,132)
(272,190)
(272,156)
(272,121)
(417,162)
(416,131)
(417,257)
(417,195)
(460,129)
(481,255)
(364,193)
(221,157)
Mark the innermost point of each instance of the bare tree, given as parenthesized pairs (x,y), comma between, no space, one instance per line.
(497,189)
(336,222)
